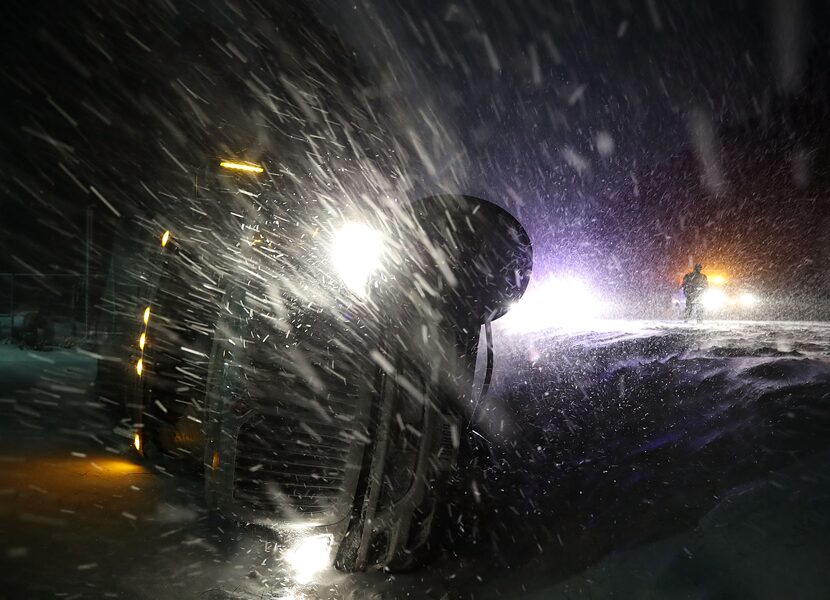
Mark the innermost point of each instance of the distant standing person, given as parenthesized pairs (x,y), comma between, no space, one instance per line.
(694,284)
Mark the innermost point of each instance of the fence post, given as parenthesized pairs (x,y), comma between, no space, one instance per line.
(114,271)
(11,306)
(86,270)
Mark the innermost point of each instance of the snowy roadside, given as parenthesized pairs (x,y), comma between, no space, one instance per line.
(607,440)
(49,394)
(637,458)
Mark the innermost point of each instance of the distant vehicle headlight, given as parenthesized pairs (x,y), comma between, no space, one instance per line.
(556,302)
(713,299)
(357,253)
(309,556)
(747,299)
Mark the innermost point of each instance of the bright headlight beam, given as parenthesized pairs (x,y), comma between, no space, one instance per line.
(713,299)
(356,254)
(748,299)
(240,166)
(556,302)
(309,556)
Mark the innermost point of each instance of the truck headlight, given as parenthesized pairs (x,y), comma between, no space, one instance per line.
(356,253)
(308,556)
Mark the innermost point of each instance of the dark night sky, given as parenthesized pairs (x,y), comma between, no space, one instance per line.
(552,109)
(555,75)
(555,109)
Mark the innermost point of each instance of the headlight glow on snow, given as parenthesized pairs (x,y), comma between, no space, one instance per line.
(557,302)
(356,253)
(309,556)
(748,299)
(713,299)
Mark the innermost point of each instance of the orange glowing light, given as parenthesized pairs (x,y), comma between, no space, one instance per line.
(165,237)
(146,315)
(142,340)
(119,467)
(137,441)
(139,366)
(717,279)
(241,166)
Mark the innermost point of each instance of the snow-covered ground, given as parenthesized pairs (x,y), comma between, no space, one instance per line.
(810,338)
(607,438)
(621,459)
(662,367)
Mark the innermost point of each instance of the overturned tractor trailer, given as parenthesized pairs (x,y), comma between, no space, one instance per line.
(316,366)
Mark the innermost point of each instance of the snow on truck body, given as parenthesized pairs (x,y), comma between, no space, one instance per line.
(300,357)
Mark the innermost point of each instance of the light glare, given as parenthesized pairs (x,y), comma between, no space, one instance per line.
(146,315)
(165,237)
(356,254)
(748,299)
(142,340)
(139,366)
(556,302)
(713,299)
(309,556)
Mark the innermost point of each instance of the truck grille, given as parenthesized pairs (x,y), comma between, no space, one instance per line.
(296,463)
(299,445)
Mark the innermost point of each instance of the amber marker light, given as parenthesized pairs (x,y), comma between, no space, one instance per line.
(241,166)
